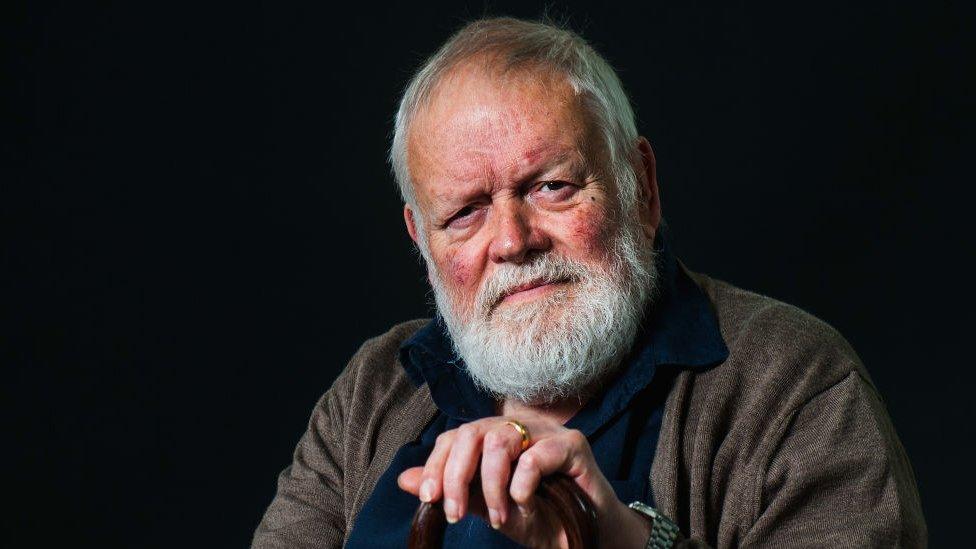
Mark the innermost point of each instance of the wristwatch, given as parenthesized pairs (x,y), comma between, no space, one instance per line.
(664,532)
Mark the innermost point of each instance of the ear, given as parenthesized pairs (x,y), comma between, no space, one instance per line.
(650,207)
(409,220)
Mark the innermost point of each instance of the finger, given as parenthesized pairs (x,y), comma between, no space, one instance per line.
(430,486)
(527,531)
(460,468)
(501,446)
(568,453)
(530,532)
(409,480)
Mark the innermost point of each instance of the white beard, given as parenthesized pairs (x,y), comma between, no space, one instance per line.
(559,345)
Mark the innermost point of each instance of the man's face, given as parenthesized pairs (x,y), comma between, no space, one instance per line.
(504,170)
(540,274)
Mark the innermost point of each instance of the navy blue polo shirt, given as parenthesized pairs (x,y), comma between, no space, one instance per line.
(622,424)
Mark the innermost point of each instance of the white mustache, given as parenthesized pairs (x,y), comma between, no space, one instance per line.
(543,269)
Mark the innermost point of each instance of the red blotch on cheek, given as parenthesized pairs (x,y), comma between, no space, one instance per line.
(457,270)
(590,231)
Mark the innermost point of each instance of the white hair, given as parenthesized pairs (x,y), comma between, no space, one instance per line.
(511,44)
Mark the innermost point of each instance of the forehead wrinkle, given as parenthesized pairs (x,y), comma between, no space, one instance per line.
(517,168)
(483,165)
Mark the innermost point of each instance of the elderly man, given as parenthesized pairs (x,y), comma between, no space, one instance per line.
(569,339)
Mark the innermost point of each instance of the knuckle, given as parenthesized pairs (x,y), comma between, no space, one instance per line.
(492,469)
(452,469)
(577,438)
(467,430)
(489,466)
(520,494)
(432,472)
(444,438)
(495,441)
(452,484)
(491,490)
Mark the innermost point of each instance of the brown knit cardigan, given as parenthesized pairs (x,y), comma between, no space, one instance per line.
(785,444)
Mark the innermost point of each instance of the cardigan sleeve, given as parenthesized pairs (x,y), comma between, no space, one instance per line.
(839,477)
(307,510)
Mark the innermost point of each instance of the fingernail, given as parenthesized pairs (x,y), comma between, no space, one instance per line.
(450,510)
(493,517)
(524,511)
(427,490)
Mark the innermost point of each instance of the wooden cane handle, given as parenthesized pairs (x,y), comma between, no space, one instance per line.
(558,497)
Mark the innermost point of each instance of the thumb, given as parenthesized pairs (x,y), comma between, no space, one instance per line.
(409,480)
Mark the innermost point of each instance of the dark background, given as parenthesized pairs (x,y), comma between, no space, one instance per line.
(200,228)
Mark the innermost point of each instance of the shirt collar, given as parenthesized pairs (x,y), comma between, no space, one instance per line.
(680,330)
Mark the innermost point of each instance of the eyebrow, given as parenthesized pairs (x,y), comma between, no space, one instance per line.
(462,191)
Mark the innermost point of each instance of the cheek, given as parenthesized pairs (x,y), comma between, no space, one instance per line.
(589,231)
(458,269)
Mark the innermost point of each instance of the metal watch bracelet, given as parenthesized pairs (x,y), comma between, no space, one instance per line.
(664,532)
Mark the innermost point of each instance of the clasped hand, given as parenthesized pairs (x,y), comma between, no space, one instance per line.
(509,477)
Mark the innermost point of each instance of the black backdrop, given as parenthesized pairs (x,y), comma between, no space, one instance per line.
(200,228)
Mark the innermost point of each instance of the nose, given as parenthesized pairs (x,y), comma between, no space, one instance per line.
(514,236)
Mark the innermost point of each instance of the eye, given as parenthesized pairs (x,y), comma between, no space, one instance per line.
(463,217)
(556,191)
(553,185)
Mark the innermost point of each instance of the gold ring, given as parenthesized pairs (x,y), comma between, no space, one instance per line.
(526,439)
